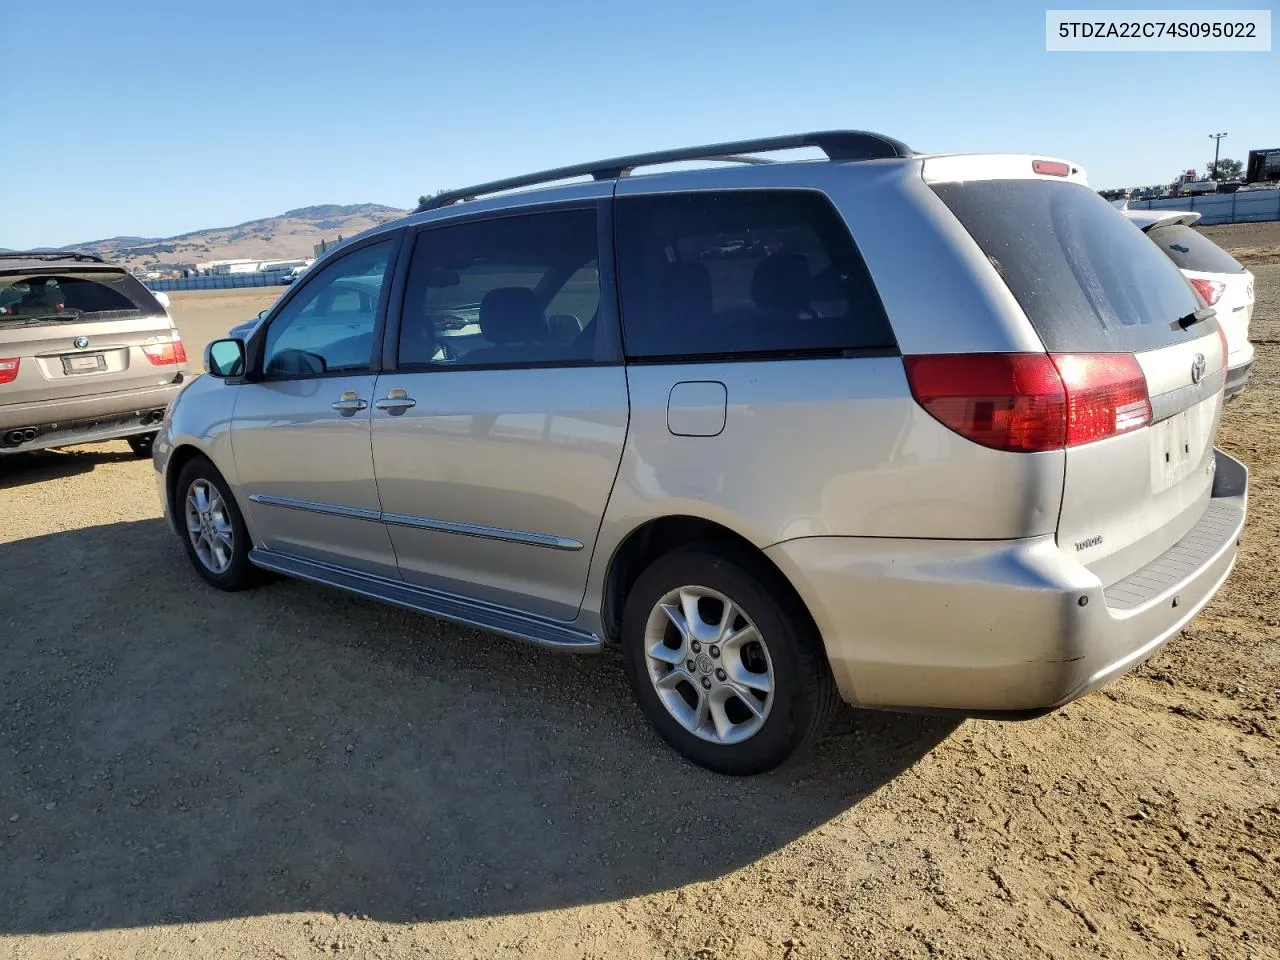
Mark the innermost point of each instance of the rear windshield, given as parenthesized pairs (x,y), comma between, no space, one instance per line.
(1193,251)
(81,295)
(1086,279)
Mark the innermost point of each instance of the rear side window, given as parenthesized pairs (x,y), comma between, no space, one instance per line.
(1192,251)
(514,291)
(1086,279)
(742,273)
(78,296)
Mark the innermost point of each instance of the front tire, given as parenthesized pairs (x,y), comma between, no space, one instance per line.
(213,530)
(724,661)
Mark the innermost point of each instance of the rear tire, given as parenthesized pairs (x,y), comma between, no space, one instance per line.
(141,445)
(213,529)
(740,697)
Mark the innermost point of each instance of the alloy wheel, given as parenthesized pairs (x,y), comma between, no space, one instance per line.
(209,526)
(709,664)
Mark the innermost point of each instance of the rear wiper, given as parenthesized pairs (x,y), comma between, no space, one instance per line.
(1196,316)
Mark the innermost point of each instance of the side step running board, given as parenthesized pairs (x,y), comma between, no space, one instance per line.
(447,606)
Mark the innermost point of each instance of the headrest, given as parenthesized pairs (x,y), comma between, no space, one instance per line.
(512,315)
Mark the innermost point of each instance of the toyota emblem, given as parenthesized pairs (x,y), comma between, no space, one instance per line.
(81,342)
(1197,368)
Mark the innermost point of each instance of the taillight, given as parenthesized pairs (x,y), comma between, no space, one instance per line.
(1106,395)
(1210,290)
(9,369)
(161,354)
(1025,402)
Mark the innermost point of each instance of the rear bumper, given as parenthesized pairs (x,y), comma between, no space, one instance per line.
(63,423)
(1237,377)
(1001,627)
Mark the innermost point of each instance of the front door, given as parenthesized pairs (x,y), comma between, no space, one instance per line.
(497,438)
(300,433)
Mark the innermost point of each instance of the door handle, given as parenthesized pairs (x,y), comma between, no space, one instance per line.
(349,403)
(396,401)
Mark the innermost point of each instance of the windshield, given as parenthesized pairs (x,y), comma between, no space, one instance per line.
(1087,279)
(87,295)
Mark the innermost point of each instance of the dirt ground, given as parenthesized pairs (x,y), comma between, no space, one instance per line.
(204,315)
(291,772)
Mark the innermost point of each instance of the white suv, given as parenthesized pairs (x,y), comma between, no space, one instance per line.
(1221,280)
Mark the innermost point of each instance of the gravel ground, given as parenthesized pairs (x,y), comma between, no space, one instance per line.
(291,771)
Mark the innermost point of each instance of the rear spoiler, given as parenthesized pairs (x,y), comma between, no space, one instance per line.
(1000,166)
(1146,219)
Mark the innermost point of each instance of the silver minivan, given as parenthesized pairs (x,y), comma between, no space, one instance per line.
(908,431)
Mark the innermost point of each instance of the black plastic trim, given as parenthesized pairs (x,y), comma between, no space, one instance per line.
(817,353)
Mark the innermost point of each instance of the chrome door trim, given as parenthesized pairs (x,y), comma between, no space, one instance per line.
(312,506)
(1166,405)
(395,404)
(529,537)
(350,405)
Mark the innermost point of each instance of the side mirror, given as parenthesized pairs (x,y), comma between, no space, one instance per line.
(225,358)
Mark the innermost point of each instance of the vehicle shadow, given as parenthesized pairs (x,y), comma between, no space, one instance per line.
(169,753)
(20,469)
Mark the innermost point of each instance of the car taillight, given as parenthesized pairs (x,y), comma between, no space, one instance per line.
(1106,395)
(1210,290)
(162,354)
(9,369)
(1026,402)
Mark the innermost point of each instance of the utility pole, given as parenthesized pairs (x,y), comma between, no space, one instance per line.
(1217,141)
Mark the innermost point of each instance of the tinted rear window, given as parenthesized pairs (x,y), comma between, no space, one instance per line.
(81,295)
(1192,251)
(1085,277)
(740,273)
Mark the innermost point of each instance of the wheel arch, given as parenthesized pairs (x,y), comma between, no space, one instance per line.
(661,535)
(179,457)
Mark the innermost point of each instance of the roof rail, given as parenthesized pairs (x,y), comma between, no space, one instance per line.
(836,144)
(49,255)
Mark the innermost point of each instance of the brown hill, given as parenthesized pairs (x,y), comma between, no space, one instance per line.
(292,234)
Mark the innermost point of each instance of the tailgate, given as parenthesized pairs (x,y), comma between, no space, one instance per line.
(57,363)
(1091,284)
(1129,498)
(77,332)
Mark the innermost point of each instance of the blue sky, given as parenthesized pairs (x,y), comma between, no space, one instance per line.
(151,119)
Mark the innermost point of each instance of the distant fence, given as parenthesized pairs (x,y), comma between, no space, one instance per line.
(1250,206)
(220,281)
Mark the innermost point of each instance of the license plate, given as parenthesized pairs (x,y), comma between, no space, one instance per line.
(1177,447)
(84,363)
